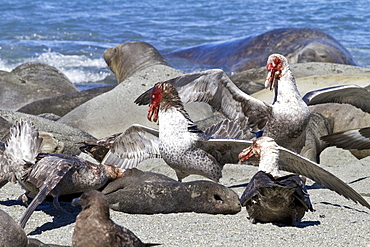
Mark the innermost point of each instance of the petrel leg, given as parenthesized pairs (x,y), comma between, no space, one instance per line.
(24,199)
(57,205)
(180,175)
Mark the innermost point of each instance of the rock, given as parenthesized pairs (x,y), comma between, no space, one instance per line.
(62,104)
(252,80)
(310,83)
(29,82)
(58,135)
(115,111)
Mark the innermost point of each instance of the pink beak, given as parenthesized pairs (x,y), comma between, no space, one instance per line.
(246,154)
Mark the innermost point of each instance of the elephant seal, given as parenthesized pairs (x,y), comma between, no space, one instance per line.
(139,192)
(298,45)
(127,58)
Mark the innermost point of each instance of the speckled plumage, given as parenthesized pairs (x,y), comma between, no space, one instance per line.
(180,140)
(178,147)
(285,119)
(183,146)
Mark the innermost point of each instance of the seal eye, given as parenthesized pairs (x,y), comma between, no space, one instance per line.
(218,198)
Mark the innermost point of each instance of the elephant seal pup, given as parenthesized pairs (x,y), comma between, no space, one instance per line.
(127,58)
(298,45)
(139,192)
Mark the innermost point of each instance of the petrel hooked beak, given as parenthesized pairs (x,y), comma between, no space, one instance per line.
(249,152)
(155,101)
(76,201)
(274,73)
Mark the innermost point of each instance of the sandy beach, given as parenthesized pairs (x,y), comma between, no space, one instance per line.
(336,221)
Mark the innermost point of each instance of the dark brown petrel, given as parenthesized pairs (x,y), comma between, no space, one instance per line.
(270,197)
(95,228)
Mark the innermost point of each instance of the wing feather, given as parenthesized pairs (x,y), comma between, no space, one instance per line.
(350,139)
(136,144)
(45,175)
(6,173)
(215,88)
(349,94)
(292,162)
(23,147)
(225,151)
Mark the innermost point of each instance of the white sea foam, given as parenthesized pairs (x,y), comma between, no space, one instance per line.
(80,75)
(66,61)
(5,66)
(78,68)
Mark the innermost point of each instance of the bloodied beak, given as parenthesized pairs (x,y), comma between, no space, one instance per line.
(155,100)
(274,72)
(249,152)
(153,112)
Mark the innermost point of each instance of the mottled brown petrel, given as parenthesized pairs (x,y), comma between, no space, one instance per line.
(44,174)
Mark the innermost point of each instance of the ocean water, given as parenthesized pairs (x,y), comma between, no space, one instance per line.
(72,35)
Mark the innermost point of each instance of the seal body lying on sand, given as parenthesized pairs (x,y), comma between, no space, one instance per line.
(139,192)
(298,45)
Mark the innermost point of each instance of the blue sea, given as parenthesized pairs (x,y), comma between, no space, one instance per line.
(72,35)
